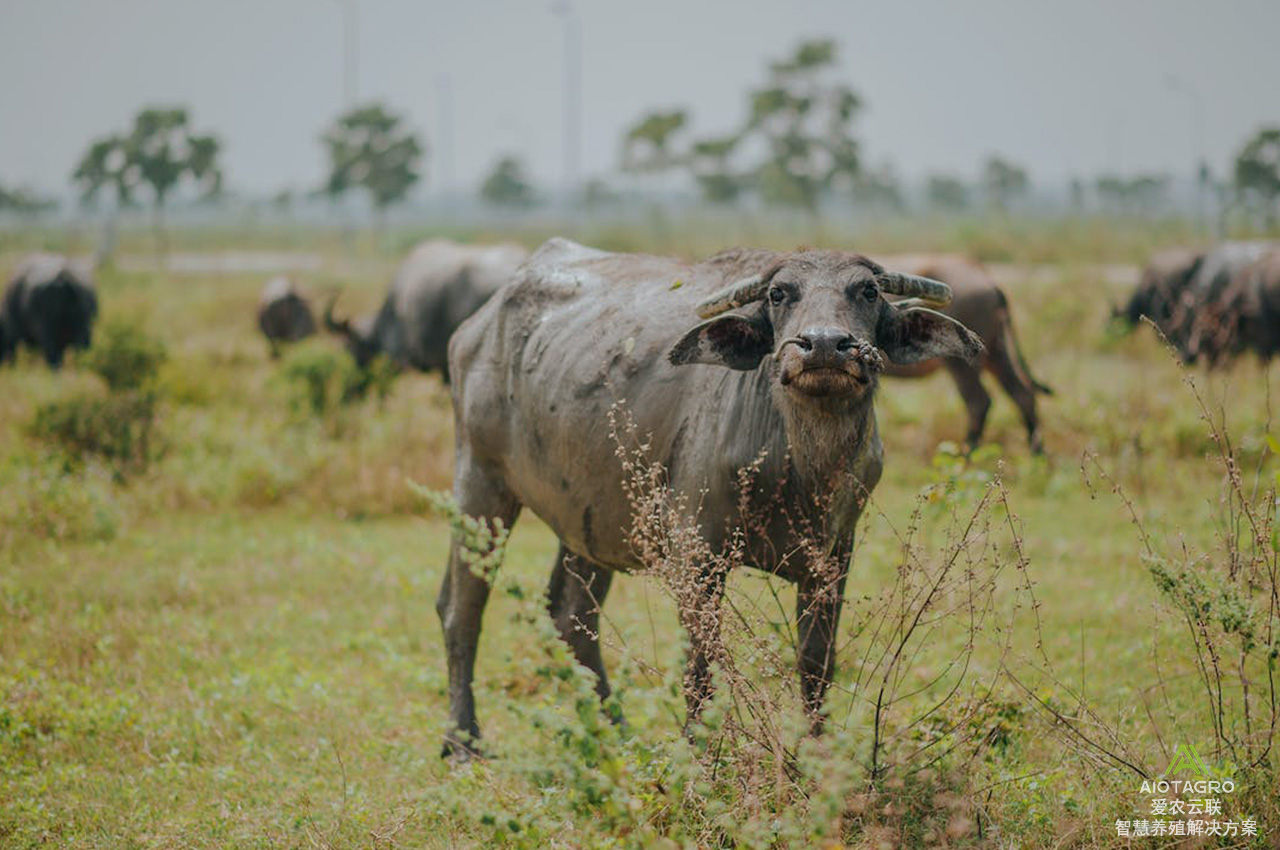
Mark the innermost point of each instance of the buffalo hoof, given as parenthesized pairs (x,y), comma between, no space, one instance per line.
(460,752)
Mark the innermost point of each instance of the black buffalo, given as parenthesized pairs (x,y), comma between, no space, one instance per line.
(50,305)
(284,314)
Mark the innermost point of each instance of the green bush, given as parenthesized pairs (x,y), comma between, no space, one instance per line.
(119,428)
(323,381)
(126,357)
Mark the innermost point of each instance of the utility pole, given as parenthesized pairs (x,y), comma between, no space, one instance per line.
(444,87)
(572,96)
(1200,165)
(350,60)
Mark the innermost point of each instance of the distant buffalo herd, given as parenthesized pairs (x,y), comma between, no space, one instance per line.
(749,377)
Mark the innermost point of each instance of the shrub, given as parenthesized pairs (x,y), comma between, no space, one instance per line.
(323,382)
(119,428)
(126,357)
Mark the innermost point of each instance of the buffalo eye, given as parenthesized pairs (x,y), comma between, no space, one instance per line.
(870,291)
(777,295)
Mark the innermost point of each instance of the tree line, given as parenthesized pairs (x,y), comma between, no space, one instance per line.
(796,147)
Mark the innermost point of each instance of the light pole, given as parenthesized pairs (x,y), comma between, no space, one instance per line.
(444,85)
(350,33)
(1196,102)
(572,94)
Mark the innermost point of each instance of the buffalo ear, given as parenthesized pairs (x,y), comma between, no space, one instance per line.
(739,342)
(909,336)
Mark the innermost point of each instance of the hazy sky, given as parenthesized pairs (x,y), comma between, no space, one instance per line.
(1063,88)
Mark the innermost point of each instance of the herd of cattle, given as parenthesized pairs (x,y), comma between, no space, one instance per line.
(750,360)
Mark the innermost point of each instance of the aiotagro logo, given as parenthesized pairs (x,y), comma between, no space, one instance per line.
(1188,806)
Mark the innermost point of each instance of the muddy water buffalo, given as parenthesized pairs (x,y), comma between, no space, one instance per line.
(1205,324)
(1192,297)
(779,377)
(50,305)
(284,314)
(436,288)
(1252,302)
(980,305)
(1159,292)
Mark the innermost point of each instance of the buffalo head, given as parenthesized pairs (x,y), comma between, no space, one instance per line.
(821,320)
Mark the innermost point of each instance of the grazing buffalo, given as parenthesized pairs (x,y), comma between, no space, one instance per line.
(980,305)
(1253,301)
(50,305)
(1159,292)
(761,416)
(1196,299)
(284,314)
(1204,324)
(435,289)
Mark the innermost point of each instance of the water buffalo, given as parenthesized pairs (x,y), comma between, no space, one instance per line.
(1252,301)
(284,314)
(50,305)
(980,305)
(779,379)
(436,288)
(1160,287)
(1192,298)
(1204,324)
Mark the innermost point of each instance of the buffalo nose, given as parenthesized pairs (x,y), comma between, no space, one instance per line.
(824,343)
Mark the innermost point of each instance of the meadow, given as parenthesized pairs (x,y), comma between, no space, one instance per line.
(230,639)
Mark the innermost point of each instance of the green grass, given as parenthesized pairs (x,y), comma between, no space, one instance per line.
(237,646)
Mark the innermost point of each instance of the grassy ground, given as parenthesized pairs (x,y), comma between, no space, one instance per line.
(237,645)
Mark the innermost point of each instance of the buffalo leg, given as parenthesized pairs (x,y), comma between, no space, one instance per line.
(700,615)
(1018,385)
(819,598)
(574,596)
(462,599)
(977,401)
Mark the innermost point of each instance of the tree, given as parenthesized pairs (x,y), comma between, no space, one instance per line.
(507,185)
(878,188)
(710,163)
(947,193)
(159,153)
(647,148)
(1143,194)
(805,124)
(1003,182)
(24,203)
(369,148)
(1257,172)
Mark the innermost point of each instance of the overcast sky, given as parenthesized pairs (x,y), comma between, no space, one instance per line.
(1063,88)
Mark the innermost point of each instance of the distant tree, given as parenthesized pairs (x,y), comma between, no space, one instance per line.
(878,188)
(1257,172)
(1003,182)
(160,153)
(648,147)
(947,193)
(1077,194)
(507,185)
(1143,194)
(103,167)
(805,123)
(598,194)
(282,201)
(369,148)
(712,168)
(24,203)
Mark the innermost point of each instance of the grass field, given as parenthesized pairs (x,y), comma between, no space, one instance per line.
(234,644)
